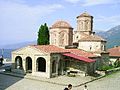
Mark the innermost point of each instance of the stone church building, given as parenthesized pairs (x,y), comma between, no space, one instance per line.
(77,51)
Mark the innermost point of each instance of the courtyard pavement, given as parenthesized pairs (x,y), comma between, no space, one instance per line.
(13,81)
(7,82)
(60,80)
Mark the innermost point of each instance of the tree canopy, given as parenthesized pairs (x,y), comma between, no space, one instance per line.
(43,35)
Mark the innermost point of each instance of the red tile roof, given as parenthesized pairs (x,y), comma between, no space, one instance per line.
(80,58)
(85,14)
(55,49)
(114,51)
(49,48)
(92,38)
(61,24)
(81,52)
(74,53)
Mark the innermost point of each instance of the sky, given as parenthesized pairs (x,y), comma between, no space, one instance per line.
(20,19)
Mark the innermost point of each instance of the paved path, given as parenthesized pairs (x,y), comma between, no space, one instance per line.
(111,82)
(16,83)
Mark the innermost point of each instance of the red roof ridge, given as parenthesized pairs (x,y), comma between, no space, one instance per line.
(49,48)
(80,58)
(115,51)
(81,52)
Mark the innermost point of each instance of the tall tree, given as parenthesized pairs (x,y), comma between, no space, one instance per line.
(43,35)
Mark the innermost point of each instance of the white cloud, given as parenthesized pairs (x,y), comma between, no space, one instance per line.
(109,20)
(93,2)
(106,22)
(20,21)
(73,1)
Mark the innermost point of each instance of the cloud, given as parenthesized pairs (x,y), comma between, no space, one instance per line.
(106,22)
(110,20)
(72,1)
(93,2)
(20,21)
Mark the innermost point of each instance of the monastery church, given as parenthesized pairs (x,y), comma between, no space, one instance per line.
(77,51)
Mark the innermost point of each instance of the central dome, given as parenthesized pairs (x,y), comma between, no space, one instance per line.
(61,24)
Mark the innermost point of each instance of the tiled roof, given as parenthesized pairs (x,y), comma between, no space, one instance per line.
(55,49)
(114,51)
(49,48)
(85,14)
(81,52)
(80,58)
(92,38)
(61,24)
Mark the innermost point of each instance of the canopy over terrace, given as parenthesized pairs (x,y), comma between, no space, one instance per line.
(80,58)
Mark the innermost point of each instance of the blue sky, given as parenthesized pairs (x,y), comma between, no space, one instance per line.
(20,19)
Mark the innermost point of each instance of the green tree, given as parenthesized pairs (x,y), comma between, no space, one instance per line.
(43,35)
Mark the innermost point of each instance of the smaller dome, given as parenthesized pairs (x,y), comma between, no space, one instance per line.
(85,14)
(61,24)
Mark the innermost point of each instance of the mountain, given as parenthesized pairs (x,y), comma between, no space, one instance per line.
(112,36)
(17,45)
(6,50)
(6,53)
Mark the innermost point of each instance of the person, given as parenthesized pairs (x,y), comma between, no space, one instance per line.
(66,89)
(85,87)
(69,87)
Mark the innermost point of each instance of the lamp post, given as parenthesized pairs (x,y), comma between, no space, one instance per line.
(1,58)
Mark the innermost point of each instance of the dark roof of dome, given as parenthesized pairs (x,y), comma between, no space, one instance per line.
(61,24)
(85,14)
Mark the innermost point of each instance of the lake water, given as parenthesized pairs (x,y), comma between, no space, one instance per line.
(6,53)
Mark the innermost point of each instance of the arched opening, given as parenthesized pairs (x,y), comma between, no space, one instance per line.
(90,47)
(54,66)
(81,26)
(62,38)
(18,62)
(87,25)
(41,64)
(28,64)
(60,67)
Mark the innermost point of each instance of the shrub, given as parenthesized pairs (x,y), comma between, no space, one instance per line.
(104,68)
(117,63)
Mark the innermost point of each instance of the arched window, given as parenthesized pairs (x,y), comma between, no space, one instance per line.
(62,39)
(18,62)
(86,25)
(54,66)
(28,64)
(103,48)
(41,64)
(77,37)
(81,26)
(90,47)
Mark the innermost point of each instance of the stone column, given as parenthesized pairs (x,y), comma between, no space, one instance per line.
(62,68)
(33,65)
(57,62)
(48,68)
(24,64)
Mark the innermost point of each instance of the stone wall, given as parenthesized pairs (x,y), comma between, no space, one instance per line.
(92,46)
